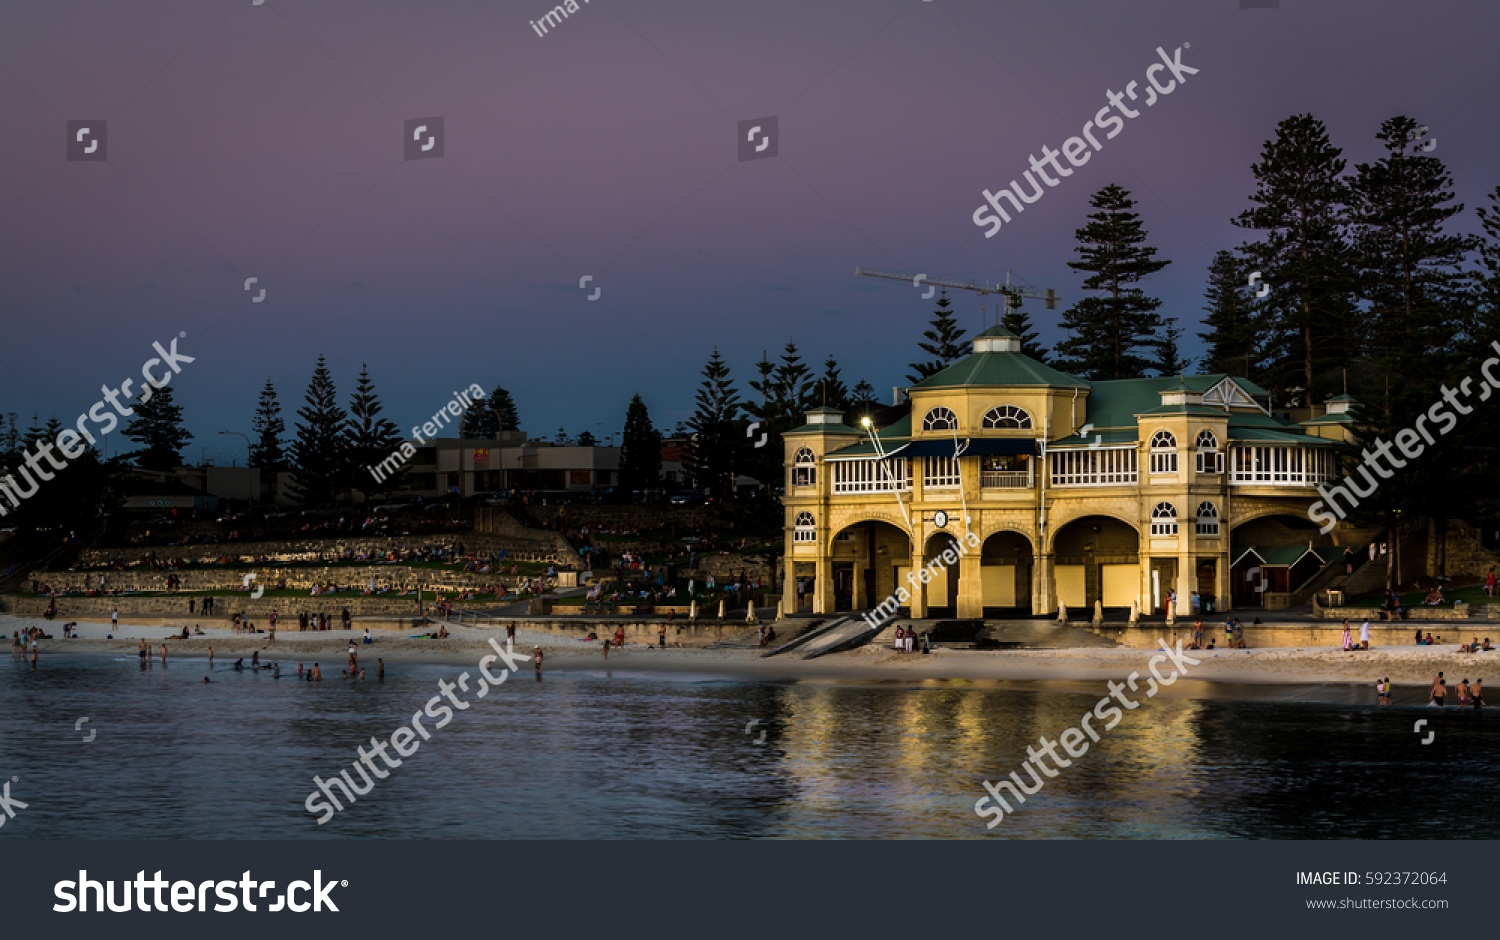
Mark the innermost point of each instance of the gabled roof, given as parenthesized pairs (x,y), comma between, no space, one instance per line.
(1285,556)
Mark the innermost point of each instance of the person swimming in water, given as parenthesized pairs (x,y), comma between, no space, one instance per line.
(239,664)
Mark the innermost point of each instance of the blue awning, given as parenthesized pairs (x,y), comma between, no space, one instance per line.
(968,447)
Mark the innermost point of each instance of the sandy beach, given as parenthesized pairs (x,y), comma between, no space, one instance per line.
(1406,665)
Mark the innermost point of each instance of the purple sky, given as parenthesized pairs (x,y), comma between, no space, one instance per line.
(265,141)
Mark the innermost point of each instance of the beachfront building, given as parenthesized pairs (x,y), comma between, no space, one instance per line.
(1049,489)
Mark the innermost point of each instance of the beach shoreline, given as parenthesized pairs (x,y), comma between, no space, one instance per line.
(1404,665)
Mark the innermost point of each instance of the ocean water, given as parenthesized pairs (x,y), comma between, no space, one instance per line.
(622,755)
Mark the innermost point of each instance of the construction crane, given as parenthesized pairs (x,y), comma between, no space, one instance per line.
(1012,294)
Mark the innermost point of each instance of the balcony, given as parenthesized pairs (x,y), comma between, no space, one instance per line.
(1005,479)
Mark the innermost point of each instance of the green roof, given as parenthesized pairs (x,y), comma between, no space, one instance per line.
(999,368)
(1268,436)
(1342,418)
(996,330)
(1206,410)
(1105,438)
(892,436)
(1284,556)
(1115,403)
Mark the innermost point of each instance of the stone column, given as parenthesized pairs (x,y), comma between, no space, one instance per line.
(970,604)
(1187,582)
(1043,593)
(822,600)
(1222,585)
(859,602)
(918,590)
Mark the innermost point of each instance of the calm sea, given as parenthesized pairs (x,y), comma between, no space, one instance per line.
(621,755)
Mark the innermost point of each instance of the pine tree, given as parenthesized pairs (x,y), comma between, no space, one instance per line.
(715,441)
(1018,323)
(369,439)
(504,406)
(157,426)
(1303,259)
(587,439)
(1110,333)
(1169,361)
(1484,304)
(944,342)
(561,439)
(1233,337)
(640,449)
(831,390)
(266,451)
(317,451)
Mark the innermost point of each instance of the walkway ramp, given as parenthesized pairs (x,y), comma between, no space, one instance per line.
(842,634)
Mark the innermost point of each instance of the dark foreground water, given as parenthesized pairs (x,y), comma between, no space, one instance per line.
(622,755)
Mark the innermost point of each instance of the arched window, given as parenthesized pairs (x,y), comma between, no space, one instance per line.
(804,468)
(940,419)
(1164,519)
(1208,457)
(805,530)
(1163,452)
(1208,519)
(1007,417)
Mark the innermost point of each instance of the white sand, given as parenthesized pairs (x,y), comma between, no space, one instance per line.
(1406,665)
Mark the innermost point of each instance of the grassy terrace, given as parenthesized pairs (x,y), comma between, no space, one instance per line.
(1469,595)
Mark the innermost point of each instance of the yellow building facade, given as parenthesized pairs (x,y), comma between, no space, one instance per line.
(1045,490)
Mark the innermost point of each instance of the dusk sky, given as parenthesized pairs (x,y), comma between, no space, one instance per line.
(266,141)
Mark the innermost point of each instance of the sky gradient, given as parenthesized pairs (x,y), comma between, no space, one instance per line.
(266,141)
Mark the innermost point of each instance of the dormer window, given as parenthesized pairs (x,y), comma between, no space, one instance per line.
(940,419)
(1006,418)
(1164,519)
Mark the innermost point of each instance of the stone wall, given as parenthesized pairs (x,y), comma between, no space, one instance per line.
(399,577)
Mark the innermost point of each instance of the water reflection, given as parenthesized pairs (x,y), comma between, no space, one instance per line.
(611,754)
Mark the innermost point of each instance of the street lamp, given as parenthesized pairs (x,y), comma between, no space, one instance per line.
(247,444)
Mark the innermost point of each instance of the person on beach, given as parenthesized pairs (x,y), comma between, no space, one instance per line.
(510,633)
(606,647)
(164,654)
(1476,694)
(1463,693)
(205,680)
(210,657)
(661,636)
(368,641)
(317,673)
(1197,641)
(619,638)
(255,660)
(380,668)
(33,655)
(1383,691)
(900,640)
(114,620)
(1364,634)
(1392,605)
(536,658)
(1439,693)
(1348,642)
(239,664)
(760,631)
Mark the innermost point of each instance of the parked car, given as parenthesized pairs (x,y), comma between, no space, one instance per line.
(687,498)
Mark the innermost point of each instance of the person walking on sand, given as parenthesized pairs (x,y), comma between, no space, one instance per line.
(606,648)
(661,636)
(1364,634)
(114,621)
